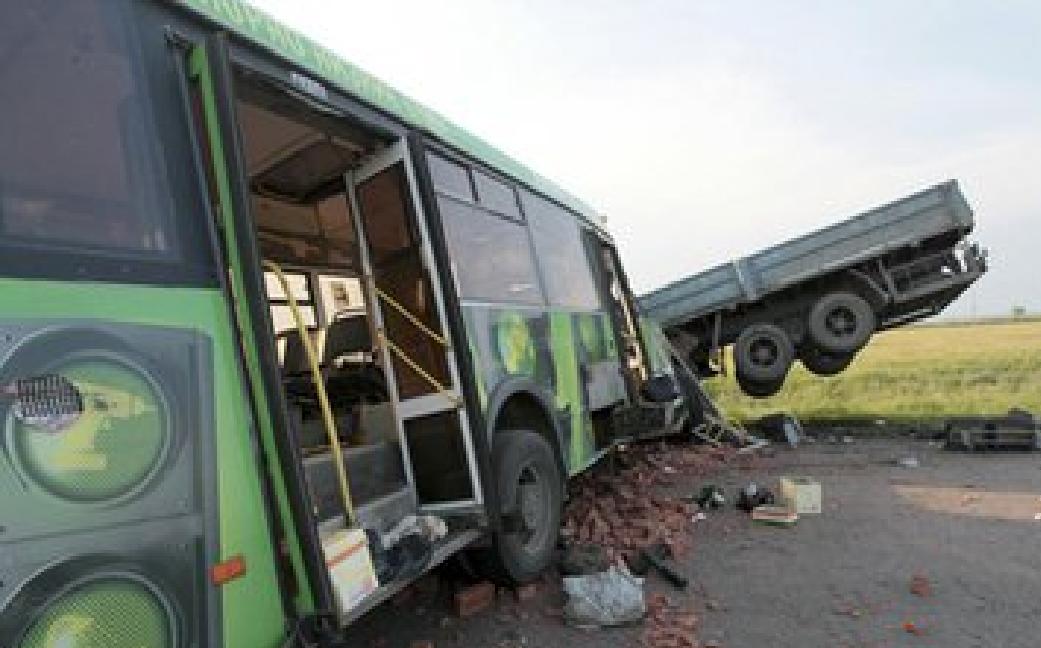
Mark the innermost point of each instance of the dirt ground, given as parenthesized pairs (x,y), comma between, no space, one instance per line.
(967,525)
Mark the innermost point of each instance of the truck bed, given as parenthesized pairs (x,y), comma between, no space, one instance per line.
(931,213)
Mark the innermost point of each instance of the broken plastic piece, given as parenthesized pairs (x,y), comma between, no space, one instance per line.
(610,598)
(47,401)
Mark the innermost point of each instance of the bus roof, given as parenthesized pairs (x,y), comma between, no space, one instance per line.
(256,26)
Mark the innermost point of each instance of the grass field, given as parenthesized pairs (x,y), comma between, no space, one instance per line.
(913,373)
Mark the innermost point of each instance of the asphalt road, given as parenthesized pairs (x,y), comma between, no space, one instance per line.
(963,523)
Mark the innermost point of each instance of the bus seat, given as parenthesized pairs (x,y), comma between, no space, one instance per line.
(346,335)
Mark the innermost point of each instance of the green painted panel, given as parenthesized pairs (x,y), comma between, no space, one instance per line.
(200,70)
(569,389)
(548,347)
(251,605)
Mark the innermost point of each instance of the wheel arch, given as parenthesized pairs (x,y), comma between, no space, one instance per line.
(520,403)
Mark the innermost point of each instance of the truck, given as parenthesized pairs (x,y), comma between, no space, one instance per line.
(818,298)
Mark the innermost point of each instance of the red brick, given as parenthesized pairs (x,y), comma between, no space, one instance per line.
(920,586)
(687,621)
(474,599)
(657,601)
(525,593)
(422,643)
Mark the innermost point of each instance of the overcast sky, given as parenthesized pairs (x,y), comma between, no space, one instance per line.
(707,130)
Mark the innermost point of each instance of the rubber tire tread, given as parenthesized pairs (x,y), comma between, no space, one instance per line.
(500,563)
(743,349)
(816,322)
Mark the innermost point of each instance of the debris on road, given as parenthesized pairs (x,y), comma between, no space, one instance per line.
(775,516)
(908,462)
(752,497)
(624,512)
(710,496)
(669,626)
(920,586)
(526,593)
(583,558)
(802,495)
(1019,429)
(610,598)
(781,427)
(657,557)
(911,627)
(474,599)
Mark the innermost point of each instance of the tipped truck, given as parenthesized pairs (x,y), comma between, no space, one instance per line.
(819,298)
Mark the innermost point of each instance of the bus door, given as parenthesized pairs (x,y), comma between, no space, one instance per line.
(614,288)
(408,310)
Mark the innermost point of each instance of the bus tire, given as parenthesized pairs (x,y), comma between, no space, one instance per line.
(824,363)
(841,322)
(763,353)
(531,493)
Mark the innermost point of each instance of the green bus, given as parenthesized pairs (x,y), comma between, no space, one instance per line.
(276,340)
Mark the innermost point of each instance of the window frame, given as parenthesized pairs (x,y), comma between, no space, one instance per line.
(582,231)
(471,168)
(189,260)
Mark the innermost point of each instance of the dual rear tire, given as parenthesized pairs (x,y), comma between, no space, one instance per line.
(838,325)
(841,323)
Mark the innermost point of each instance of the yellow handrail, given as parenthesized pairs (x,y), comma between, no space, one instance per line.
(434,382)
(412,318)
(319,384)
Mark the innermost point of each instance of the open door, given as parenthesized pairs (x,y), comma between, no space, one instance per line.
(408,314)
(210,102)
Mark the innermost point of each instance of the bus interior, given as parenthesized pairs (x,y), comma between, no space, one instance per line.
(298,160)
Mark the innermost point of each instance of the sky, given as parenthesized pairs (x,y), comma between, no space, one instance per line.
(706,130)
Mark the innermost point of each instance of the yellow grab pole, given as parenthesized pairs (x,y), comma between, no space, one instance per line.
(319,385)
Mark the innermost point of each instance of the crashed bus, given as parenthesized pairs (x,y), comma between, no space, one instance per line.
(275,340)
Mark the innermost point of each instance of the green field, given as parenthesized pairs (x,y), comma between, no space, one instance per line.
(913,373)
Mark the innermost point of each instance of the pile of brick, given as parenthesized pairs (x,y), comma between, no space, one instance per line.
(623,511)
(668,625)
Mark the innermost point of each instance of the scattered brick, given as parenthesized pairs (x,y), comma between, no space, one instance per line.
(621,511)
(920,586)
(474,599)
(525,593)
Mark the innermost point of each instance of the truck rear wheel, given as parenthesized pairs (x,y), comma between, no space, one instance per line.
(531,493)
(763,353)
(824,363)
(841,322)
(757,388)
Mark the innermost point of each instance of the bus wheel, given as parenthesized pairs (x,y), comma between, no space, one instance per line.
(530,490)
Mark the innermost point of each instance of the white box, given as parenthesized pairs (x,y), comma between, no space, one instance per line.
(350,567)
(801,494)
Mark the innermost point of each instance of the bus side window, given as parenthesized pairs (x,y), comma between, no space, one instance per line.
(84,169)
(561,254)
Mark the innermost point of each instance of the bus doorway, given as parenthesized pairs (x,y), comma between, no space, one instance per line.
(353,328)
(337,217)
